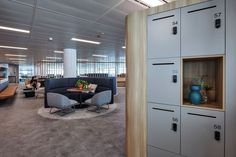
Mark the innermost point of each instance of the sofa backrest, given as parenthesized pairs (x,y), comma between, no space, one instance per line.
(60,85)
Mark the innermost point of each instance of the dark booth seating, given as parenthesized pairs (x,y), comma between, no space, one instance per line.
(62,84)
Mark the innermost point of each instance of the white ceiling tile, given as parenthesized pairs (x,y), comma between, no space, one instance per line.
(85,9)
(26,2)
(15,13)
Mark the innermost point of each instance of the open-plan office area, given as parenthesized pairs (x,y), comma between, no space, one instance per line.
(135,78)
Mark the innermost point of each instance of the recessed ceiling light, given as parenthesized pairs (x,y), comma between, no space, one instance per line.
(84,60)
(17,59)
(15,55)
(13,47)
(53,57)
(50,38)
(58,51)
(153,3)
(123,47)
(14,29)
(86,41)
(95,55)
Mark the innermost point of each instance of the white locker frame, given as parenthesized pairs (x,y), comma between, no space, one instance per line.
(230,118)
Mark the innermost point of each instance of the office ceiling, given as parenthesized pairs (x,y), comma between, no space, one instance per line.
(62,20)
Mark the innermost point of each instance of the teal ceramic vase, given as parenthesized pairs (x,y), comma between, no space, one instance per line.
(195,95)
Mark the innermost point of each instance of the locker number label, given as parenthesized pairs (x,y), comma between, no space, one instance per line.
(217,15)
(217,127)
(175,23)
(175,119)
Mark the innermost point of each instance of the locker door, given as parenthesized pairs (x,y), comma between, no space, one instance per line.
(164,81)
(164,127)
(202,133)
(164,34)
(155,152)
(203,29)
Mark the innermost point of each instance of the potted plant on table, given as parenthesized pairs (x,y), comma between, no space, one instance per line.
(82,84)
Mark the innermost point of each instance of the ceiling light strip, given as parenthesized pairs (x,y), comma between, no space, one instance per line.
(103,56)
(83,60)
(17,59)
(14,29)
(58,51)
(13,47)
(53,57)
(45,60)
(86,41)
(153,3)
(15,55)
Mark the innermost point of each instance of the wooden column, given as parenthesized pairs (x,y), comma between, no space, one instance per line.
(136,85)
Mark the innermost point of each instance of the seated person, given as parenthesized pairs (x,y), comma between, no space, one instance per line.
(33,82)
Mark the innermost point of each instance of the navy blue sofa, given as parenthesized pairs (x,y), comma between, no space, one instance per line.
(62,84)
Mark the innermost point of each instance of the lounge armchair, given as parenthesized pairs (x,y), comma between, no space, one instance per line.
(60,102)
(39,90)
(100,99)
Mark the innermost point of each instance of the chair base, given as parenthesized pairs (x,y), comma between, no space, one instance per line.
(98,108)
(62,112)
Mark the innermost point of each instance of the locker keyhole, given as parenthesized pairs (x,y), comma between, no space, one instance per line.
(174,127)
(174,78)
(174,31)
(217,23)
(217,135)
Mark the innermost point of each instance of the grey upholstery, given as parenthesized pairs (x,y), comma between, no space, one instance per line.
(100,99)
(60,101)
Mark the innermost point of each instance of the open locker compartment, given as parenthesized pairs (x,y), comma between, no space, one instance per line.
(207,72)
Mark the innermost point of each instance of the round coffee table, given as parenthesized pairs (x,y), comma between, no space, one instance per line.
(80,93)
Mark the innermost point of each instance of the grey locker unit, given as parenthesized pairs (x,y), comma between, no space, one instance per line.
(155,152)
(163,84)
(202,133)
(203,29)
(164,127)
(164,34)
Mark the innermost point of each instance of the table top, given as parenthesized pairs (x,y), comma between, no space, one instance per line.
(77,90)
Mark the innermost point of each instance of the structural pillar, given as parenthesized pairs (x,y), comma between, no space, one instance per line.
(70,61)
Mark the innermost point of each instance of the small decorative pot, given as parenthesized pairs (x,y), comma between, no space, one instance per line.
(195,95)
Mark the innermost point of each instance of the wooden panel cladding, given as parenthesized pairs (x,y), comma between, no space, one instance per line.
(136,53)
(206,71)
(136,128)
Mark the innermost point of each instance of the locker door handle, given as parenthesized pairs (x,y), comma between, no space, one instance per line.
(174,30)
(174,127)
(217,135)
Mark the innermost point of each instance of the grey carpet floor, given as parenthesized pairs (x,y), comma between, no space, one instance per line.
(23,133)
